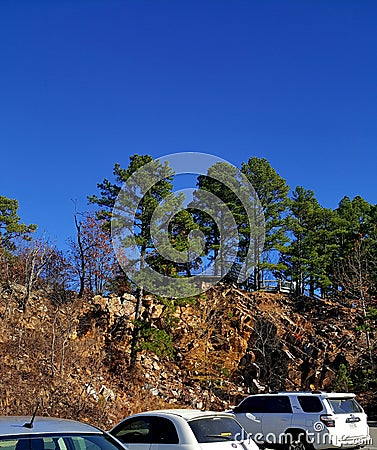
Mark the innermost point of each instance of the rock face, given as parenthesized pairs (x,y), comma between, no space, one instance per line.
(267,341)
(74,358)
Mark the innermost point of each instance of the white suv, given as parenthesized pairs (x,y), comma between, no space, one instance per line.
(304,420)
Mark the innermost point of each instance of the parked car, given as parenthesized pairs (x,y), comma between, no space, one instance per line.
(47,433)
(185,429)
(304,420)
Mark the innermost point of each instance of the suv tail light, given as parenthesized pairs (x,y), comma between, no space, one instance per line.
(327,420)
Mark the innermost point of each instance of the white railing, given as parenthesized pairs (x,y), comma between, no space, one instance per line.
(278,286)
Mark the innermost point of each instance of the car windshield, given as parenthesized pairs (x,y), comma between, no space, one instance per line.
(344,405)
(217,429)
(59,442)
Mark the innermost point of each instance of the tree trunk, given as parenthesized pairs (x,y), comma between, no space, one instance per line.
(136,330)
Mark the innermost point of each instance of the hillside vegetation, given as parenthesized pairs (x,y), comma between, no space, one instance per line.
(73,358)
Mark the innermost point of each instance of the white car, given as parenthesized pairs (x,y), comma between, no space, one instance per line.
(47,433)
(304,420)
(182,429)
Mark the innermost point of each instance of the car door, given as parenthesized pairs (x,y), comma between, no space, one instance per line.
(249,413)
(164,435)
(135,432)
(276,419)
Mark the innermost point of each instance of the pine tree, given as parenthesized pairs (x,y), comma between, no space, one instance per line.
(355,269)
(229,215)
(298,254)
(10,225)
(149,225)
(220,216)
(309,255)
(272,191)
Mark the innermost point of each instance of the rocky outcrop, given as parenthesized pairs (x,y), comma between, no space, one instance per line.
(73,357)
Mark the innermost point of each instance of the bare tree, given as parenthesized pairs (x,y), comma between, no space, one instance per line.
(355,275)
(269,357)
(91,254)
(35,257)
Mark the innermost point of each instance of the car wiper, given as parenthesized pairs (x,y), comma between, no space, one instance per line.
(226,437)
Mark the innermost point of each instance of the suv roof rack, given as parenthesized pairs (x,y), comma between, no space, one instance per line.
(299,392)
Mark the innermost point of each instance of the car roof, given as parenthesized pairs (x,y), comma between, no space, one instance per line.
(310,394)
(187,414)
(15,425)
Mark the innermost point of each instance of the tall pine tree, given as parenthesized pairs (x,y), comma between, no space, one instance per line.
(309,254)
(272,191)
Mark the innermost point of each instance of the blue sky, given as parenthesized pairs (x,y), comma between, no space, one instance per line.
(87,83)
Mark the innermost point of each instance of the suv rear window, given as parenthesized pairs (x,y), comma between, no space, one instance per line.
(344,405)
(310,404)
(216,429)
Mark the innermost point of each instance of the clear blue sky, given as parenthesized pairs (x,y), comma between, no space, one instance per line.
(87,83)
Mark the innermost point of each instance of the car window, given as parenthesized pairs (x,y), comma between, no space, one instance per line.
(134,430)
(8,444)
(164,431)
(216,429)
(59,442)
(344,405)
(81,443)
(30,444)
(277,404)
(265,404)
(251,405)
(310,404)
(25,443)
